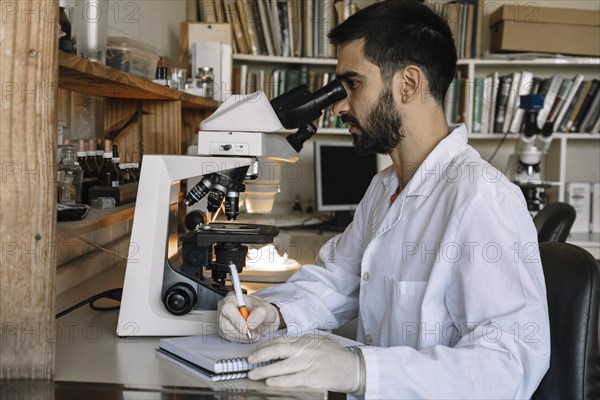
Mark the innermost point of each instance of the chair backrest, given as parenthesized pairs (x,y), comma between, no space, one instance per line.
(553,223)
(573,291)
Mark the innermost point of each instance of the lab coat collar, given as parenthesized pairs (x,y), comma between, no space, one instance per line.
(432,170)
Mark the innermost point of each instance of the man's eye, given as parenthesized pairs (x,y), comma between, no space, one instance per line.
(352,84)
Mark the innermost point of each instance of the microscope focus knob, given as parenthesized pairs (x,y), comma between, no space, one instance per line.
(180,299)
(195,218)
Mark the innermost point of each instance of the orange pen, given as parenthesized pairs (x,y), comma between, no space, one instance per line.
(235,279)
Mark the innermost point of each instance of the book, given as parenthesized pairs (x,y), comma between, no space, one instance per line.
(469,30)
(265,23)
(275,27)
(523,89)
(282,10)
(243,79)
(477,104)
(565,87)
(567,101)
(294,10)
(241,42)
(586,105)
(307,29)
(256,21)
(574,106)
(450,101)
(208,11)
(495,87)
(486,104)
(511,104)
(505,84)
(550,93)
(217,359)
(220,11)
(245,14)
(328,21)
(592,115)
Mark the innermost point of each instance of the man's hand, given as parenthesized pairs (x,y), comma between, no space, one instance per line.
(311,360)
(263,318)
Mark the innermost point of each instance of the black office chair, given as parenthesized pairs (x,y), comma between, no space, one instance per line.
(554,222)
(573,290)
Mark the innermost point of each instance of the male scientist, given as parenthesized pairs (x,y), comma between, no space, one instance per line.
(440,264)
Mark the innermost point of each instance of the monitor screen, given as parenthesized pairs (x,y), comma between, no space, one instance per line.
(342,176)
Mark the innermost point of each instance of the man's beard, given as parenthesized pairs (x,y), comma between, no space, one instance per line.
(382,131)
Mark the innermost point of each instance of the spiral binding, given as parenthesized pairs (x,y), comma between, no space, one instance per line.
(230,365)
(228,377)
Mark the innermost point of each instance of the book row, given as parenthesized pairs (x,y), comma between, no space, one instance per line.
(571,104)
(298,28)
(276,81)
(286,28)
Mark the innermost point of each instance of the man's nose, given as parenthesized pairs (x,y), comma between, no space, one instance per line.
(340,107)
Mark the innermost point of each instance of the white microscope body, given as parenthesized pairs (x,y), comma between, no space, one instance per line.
(524,164)
(231,139)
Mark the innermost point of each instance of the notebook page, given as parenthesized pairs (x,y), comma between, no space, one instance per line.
(197,371)
(207,350)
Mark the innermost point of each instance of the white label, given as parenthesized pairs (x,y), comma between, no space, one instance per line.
(115,183)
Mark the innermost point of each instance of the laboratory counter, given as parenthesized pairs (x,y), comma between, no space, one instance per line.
(88,351)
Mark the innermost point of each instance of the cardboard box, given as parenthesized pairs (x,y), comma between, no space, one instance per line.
(523,27)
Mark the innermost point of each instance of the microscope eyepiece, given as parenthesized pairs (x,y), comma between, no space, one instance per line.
(329,94)
(298,107)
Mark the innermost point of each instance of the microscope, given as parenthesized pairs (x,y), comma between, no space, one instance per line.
(524,164)
(174,281)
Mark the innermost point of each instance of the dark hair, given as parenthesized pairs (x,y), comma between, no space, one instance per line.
(398,33)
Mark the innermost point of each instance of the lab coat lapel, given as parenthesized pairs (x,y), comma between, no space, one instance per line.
(425,179)
(385,215)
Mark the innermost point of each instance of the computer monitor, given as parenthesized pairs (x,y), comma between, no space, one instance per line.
(342,177)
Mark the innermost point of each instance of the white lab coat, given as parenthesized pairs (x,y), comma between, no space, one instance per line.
(446,283)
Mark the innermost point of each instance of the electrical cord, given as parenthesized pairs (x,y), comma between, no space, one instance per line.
(112,294)
(498,147)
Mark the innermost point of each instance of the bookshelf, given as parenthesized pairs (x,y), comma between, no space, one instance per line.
(564,160)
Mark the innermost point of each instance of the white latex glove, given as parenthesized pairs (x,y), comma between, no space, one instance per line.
(263,318)
(312,360)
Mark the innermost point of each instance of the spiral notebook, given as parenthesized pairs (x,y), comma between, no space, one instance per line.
(217,359)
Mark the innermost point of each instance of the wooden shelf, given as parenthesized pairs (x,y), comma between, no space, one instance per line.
(285,60)
(81,75)
(96,219)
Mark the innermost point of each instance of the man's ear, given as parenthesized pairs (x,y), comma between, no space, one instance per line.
(411,80)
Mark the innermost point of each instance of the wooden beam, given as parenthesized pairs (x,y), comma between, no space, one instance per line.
(29,74)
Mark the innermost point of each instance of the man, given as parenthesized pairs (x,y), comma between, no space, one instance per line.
(440,263)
